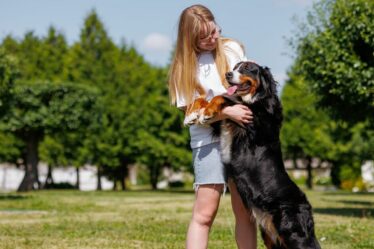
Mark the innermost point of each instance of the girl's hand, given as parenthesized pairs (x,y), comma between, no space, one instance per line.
(240,114)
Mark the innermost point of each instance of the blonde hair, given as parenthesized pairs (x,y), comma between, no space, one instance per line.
(182,73)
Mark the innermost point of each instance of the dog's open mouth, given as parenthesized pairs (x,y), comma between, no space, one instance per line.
(237,88)
(231,90)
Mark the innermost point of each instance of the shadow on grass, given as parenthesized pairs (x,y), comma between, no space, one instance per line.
(348,212)
(352,202)
(349,193)
(12,197)
(176,191)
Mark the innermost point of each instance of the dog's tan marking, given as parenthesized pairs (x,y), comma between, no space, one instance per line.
(265,220)
(269,243)
(254,83)
(214,107)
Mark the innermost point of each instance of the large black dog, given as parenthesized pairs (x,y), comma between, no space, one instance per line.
(253,158)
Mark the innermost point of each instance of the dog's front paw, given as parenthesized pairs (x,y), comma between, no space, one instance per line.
(206,116)
(191,118)
(204,119)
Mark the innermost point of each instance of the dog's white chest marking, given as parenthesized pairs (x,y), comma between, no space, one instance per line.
(249,98)
(226,141)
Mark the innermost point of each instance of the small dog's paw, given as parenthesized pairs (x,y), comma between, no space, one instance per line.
(191,119)
(203,119)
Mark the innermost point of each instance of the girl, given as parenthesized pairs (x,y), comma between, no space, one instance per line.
(198,68)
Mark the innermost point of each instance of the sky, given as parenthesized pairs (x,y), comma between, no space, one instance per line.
(262,26)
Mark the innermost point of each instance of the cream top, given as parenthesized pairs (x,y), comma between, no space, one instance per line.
(210,80)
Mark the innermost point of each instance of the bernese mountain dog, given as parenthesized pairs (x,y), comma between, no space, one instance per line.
(253,158)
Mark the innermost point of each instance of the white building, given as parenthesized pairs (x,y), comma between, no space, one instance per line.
(11,177)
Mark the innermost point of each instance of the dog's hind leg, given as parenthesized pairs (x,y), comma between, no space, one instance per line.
(296,228)
(270,242)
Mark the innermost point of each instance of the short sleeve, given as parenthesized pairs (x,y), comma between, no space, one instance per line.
(180,100)
(234,53)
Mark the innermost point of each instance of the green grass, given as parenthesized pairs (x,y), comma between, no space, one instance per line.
(142,219)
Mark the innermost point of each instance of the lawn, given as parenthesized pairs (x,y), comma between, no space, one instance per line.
(144,219)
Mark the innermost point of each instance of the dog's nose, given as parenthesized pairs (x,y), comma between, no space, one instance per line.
(229,75)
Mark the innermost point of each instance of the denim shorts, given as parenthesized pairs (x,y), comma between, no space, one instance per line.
(208,167)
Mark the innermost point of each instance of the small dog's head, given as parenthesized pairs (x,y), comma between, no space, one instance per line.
(251,81)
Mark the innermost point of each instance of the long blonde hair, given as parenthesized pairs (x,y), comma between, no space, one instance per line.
(182,73)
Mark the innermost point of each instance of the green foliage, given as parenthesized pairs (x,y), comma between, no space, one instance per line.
(138,124)
(92,60)
(10,148)
(118,114)
(52,152)
(306,130)
(48,107)
(336,56)
(309,131)
(353,145)
(8,73)
(330,95)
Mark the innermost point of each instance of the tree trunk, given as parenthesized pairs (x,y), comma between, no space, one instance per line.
(155,172)
(49,180)
(294,160)
(123,183)
(309,180)
(98,178)
(77,184)
(124,171)
(31,179)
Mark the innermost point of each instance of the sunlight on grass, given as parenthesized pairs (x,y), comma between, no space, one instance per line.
(142,219)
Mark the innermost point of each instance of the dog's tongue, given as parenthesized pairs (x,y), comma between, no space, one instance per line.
(231,90)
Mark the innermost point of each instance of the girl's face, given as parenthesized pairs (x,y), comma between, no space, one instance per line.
(209,36)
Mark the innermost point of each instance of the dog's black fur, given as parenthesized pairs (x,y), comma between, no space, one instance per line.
(256,166)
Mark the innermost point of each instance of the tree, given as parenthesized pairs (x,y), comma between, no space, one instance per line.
(335,58)
(136,116)
(309,132)
(52,152)
(53,55)
(132,114)
(10,146)
(95,61)
(36,108)
(336,55)
(306,130)
(161,133)
(8,73)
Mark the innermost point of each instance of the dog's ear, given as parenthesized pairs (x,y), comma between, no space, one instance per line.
(270,91)
(268,82)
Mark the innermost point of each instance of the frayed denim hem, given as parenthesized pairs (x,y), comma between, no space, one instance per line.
(197,185)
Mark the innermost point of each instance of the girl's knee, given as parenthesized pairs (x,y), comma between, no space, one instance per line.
(206,204)
(203,218)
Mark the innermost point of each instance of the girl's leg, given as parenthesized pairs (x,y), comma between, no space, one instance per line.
(204,211)
(245,227)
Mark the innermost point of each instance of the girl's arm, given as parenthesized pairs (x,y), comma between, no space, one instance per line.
(240,114)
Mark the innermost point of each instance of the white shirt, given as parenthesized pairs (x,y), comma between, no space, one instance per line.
(210,80)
